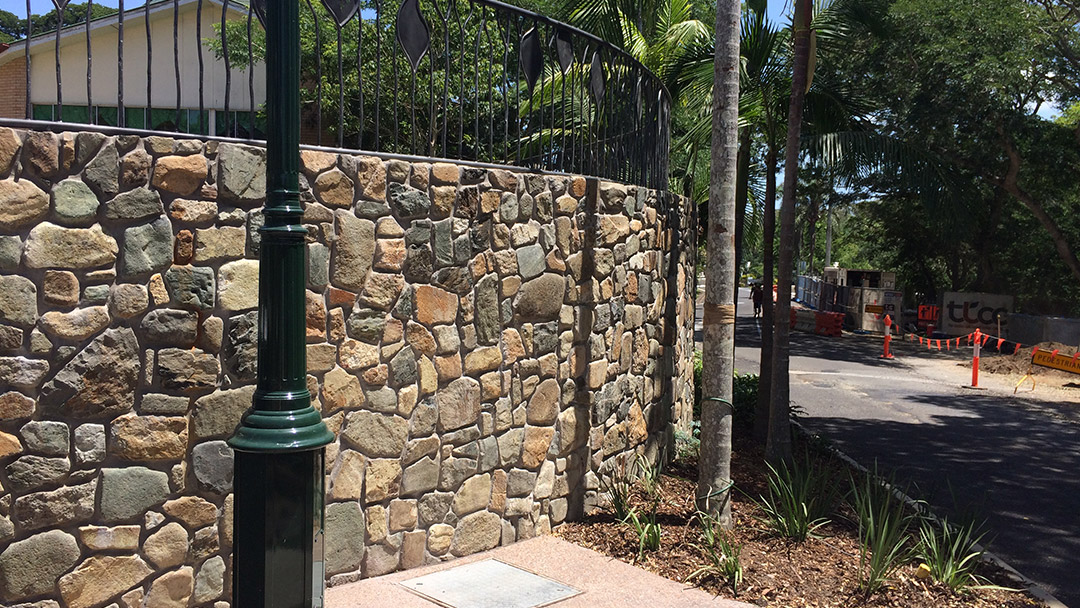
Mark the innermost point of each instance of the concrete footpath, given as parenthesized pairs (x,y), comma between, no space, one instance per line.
(604,582)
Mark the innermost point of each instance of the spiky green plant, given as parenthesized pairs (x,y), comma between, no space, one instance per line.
(950,551)
(800,500)
(884,525)
(721,554)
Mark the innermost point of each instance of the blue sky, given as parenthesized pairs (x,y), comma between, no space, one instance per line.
(777,8)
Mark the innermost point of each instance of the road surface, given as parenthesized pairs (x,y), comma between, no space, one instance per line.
(1015,459)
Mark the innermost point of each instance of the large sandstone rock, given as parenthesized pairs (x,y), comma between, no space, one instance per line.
(168,546)
(376,435)
(172,589)
(217,414)
(74,203)
(142,438)
(21,204)
(128,493)
(353,251)
(147,248)
(210,582)
(31,567)
(344,547)
(190,371)
(544,404)
(101,577)
(61,507)
(18,301)
(99,381)
(238,285)
(102,173)
(458,404)
(134,205)
(9,146)
(180,174)
(76,325)
(51,246)
(23,373)
(241,174)
(476,532)
(541,298)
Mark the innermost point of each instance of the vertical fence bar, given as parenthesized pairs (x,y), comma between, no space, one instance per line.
(251,77)
(121,117)
(59,113)
(228,69)
(202,73)
(26,56)
(147,118)
(176,58)
(89,65)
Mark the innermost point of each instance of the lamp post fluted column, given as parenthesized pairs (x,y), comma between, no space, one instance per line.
(278,474)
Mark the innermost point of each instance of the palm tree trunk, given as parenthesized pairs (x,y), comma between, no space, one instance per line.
(815,205)
(714,478)
(778,446)
(828,236)
(768,237)
(742,197)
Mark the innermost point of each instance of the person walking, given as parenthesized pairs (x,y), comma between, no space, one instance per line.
(756,293)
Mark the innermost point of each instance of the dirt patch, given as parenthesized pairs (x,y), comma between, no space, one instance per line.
(1020,362)
(821,572)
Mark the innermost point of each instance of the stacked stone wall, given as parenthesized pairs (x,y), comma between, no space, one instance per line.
(485,344)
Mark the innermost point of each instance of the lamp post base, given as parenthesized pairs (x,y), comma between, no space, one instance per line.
(278,529)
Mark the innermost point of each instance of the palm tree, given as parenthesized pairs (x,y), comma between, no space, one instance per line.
(778,446)
(719,322)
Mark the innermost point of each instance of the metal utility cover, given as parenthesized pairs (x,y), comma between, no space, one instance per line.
(489,584)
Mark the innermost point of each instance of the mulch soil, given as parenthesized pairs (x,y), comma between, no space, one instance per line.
(819,572)
(1020,363)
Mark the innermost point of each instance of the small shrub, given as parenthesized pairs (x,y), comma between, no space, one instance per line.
(884,523)
(721,553)
(649,473)
(801,498)
(744,397)
(688,445)
(617,489)
(648,531)
(949,550)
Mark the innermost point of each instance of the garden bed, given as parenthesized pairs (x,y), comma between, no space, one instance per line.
(823,570)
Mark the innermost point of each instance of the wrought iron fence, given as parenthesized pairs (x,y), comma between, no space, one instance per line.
(475,80)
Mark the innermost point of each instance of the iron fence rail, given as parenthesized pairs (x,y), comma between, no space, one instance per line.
(475,80)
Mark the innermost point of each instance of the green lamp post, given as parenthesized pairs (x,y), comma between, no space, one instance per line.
(278,470)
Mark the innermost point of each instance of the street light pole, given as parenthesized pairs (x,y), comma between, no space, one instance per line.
(278,470)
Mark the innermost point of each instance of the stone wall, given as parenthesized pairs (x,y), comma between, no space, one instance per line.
(485,345)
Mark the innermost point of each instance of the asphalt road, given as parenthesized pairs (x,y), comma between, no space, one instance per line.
(1016,460)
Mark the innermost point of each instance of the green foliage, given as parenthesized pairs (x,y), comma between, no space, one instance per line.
(949,550)
(688,445)
(648,474)
(884,525)
(801,498)
(744,397)
(475,82)
(617,488)
(13,27)
(721,554)
(648,531)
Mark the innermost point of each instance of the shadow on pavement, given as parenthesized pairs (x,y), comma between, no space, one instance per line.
(1009,460)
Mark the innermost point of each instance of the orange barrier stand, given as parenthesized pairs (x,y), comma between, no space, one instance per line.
(888,337)
(975,359)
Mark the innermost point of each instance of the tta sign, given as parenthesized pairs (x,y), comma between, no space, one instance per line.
(964,312)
